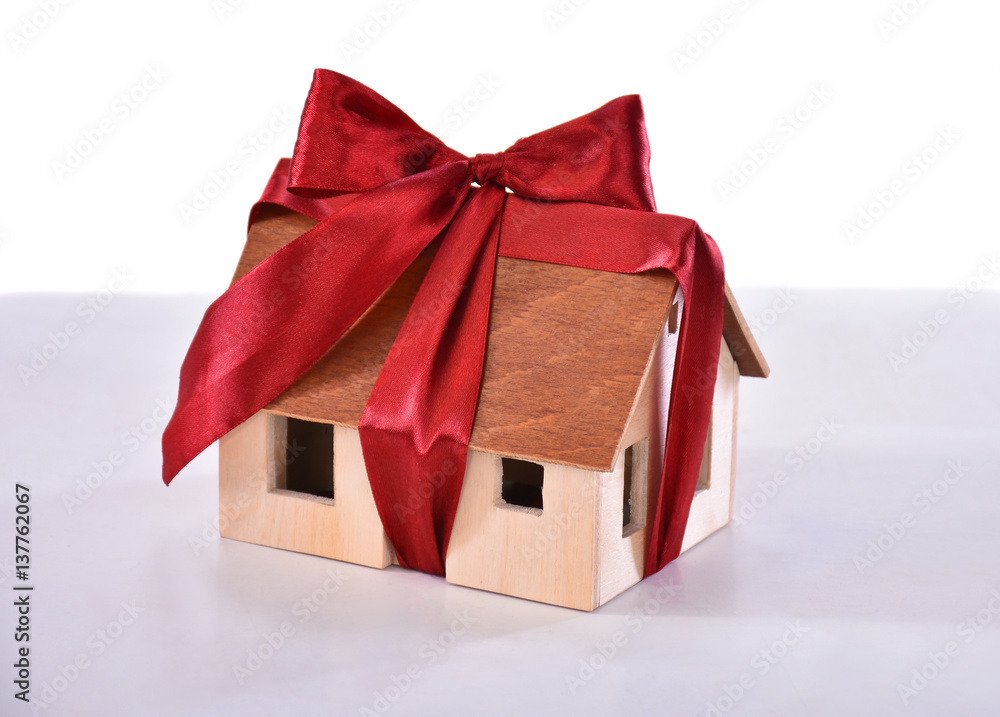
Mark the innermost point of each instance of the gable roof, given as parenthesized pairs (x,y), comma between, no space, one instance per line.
(565,357)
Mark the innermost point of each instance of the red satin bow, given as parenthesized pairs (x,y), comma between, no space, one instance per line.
(591,173)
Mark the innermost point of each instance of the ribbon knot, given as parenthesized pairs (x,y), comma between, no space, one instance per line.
(486,167)
(382,189)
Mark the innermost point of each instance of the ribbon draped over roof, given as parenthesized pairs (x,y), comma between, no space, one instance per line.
(382,189)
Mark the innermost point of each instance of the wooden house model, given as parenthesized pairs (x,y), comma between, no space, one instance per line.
(565,453)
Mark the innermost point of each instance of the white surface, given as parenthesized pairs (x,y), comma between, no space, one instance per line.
(793,562)
(227,75)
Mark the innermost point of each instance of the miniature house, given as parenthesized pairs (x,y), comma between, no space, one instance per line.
(564,458)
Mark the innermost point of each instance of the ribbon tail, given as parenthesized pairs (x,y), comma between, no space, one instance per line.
(628,241)
(282,316)
(696,364)
(416,426)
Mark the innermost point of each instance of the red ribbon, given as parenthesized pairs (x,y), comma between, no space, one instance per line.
(382,189)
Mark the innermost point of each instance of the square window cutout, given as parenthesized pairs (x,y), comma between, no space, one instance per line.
(521,483)
(308,456)
(634,486)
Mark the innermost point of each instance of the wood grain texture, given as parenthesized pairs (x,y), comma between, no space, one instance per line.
(566,353)
(742,345)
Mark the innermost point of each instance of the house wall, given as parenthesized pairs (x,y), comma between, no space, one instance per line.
(574,552)
(621,558)
(252,507)
(712,508)
(548,555)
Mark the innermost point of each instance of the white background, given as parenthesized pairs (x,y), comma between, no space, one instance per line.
(892,337)
(225,75)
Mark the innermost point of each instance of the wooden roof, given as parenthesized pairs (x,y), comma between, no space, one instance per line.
(566,352)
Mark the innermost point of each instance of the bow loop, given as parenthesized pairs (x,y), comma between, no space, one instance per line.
(601,158)
(351,139)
